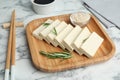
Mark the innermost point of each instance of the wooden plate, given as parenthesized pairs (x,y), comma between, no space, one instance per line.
(105,52)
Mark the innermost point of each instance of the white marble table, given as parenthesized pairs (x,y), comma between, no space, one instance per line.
(109,70)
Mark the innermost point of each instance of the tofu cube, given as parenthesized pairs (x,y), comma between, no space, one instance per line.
(85,33)
(59,38)
(47,30)
(91,45)
(51,36)
(41,28)
(71,37)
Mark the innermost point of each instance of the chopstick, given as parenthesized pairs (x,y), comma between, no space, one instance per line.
(10,50)
(13,48)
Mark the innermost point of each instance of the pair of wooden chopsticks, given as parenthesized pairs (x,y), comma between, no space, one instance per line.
(10,59)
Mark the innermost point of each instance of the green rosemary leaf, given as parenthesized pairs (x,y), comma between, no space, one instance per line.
(54,31)
(46,24)
(84,40)
(53,55)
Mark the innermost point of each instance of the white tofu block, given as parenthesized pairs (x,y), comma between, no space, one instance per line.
(92,44)
(41,28)
(47,30)
(85,33)
(67,42)
(59,38)
(51,36)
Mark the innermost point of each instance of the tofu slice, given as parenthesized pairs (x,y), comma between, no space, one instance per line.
(51,36)
(47,30)
(41,28)
(67,42)
(91,45)
(85,33)
(59,38)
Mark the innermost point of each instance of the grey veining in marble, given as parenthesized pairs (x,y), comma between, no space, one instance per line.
(109,70)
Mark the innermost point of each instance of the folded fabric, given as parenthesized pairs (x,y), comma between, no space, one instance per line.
(108,8)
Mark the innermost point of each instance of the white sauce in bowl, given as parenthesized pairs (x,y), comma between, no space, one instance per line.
(80,18)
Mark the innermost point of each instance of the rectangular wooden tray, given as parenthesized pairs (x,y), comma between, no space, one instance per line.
(105,52)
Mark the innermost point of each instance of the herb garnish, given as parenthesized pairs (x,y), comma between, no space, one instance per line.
(53,55)
(54,31)
(46,24)
(84,40)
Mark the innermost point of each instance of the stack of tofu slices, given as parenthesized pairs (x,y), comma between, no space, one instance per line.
(64,35)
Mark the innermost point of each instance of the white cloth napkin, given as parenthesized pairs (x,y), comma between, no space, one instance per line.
(108,8)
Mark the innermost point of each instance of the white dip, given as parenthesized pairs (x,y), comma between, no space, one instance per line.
(80,18)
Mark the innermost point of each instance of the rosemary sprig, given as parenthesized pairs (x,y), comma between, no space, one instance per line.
(54,31)
(46,24)
(53,55)
(84,40)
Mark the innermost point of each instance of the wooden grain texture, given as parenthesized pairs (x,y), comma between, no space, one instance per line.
(13,49)
(18,24)
(9,49)
(105,52)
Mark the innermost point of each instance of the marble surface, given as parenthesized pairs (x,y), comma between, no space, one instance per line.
(109,70)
